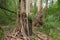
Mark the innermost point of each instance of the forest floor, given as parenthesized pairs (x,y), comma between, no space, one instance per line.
(54,33)
(37,35)
(12,33)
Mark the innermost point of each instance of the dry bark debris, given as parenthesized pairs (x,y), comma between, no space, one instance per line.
(16,35)
(41,36)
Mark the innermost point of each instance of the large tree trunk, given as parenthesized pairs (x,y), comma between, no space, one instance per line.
(22,16)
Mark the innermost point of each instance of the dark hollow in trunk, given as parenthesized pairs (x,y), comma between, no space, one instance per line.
(30,25)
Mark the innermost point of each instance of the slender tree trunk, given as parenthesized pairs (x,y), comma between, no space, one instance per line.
(46,3)
(22,6)
(39,5)
(27,13)
(46,14)
(23,17)
(27,7)
(52,2)
(18,14)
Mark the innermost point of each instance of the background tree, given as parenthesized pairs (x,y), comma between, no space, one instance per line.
(38,17)
(46,14)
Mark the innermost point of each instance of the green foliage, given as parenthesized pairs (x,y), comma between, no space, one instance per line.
(29,19)
(58,2)
(7,7)
(51,18)
(50,27)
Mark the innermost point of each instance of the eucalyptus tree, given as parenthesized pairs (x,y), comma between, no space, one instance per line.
(38,19)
